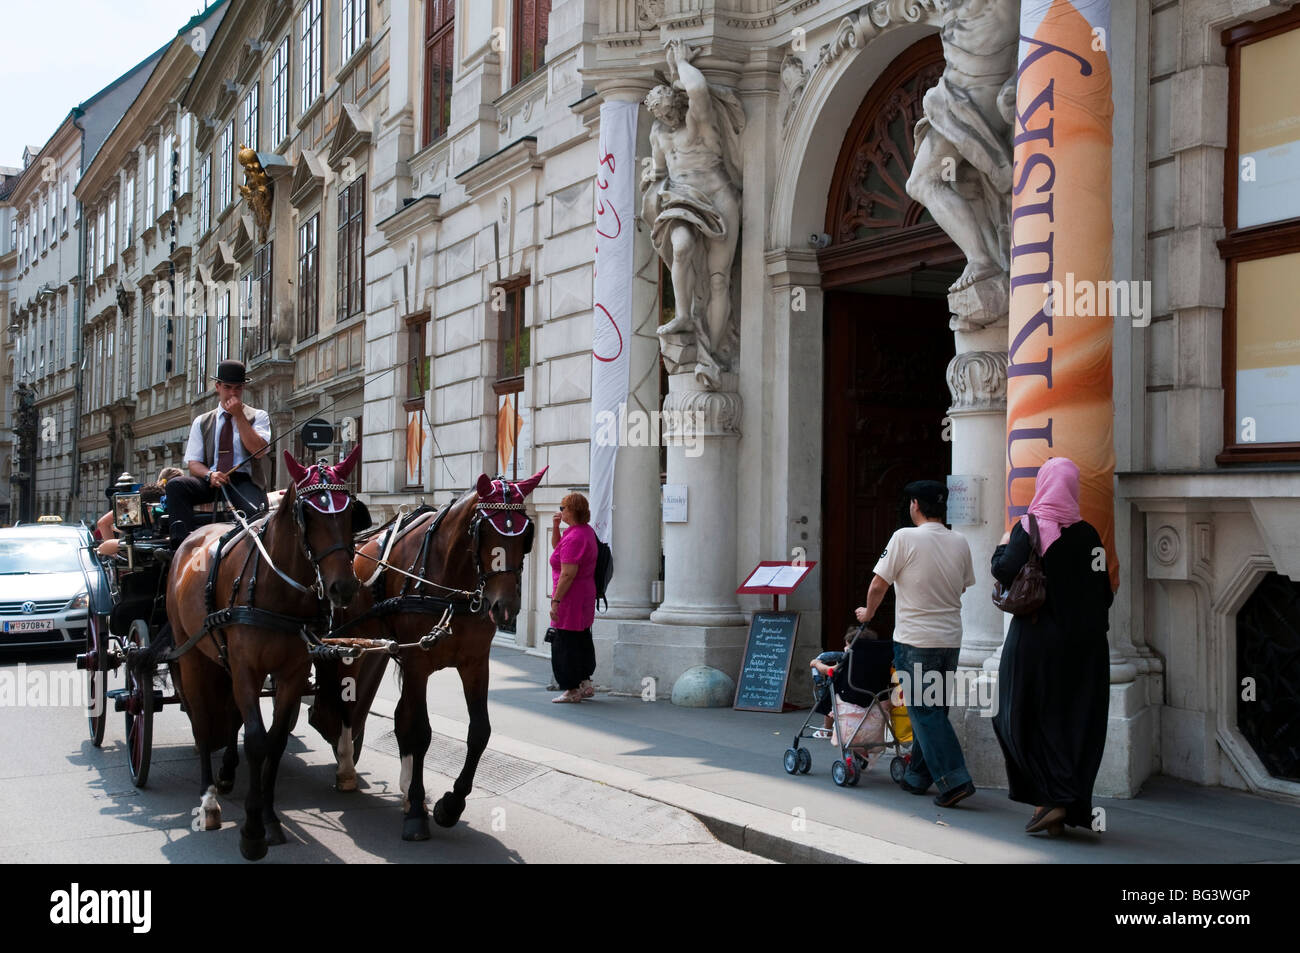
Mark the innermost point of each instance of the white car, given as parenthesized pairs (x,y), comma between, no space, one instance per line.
(49,579)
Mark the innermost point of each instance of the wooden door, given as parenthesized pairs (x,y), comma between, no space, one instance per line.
(885,399)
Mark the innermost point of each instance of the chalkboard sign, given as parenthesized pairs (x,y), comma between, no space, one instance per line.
(765,668)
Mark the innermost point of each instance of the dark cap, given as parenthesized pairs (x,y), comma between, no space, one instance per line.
(231,372)
(927,491)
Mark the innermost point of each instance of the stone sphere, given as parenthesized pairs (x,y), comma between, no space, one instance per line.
(704,687)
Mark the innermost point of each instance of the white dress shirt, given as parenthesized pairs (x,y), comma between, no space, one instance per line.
(194,449)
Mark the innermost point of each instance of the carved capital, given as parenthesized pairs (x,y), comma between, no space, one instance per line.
(707,413)
(977,380)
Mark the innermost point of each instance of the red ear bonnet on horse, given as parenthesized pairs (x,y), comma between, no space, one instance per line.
(296,470)
(344,469)
(503,503)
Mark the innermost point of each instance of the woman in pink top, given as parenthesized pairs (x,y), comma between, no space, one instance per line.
(573,605)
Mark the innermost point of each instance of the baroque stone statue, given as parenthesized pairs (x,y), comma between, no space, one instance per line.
(963,166)
(691,201)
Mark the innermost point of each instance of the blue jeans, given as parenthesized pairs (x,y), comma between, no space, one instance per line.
(936,752)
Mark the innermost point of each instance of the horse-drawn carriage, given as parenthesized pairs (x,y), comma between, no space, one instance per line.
(245,610)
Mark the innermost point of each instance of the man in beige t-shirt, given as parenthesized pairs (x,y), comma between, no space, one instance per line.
(930,567)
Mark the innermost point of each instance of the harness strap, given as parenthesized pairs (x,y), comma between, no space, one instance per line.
(261,618)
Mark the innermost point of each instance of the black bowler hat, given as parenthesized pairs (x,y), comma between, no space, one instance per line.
(231,372)
(927,491)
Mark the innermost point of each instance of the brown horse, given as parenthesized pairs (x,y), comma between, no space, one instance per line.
(246,608)
(468,558)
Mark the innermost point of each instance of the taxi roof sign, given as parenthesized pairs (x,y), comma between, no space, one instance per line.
(50,519)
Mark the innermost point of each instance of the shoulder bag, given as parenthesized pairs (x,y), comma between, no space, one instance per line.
(1028,591)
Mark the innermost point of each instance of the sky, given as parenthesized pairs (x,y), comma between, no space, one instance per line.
(55,54)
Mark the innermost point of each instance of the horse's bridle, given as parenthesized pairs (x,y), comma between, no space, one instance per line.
(481,511)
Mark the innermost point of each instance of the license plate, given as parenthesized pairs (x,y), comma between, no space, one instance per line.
(30,625)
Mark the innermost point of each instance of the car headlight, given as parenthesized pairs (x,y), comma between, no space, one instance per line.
(80,602)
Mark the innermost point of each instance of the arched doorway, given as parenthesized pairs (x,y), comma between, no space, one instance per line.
(885,274)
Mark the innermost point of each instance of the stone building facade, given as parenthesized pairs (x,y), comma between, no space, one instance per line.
(430,172)
(137,197)
(835,403)
(281,106)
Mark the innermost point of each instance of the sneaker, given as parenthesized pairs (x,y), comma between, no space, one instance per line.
(912,788)
(955,796)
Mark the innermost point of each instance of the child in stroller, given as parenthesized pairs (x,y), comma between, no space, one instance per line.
(853,695)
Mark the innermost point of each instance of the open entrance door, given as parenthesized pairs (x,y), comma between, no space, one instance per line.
(886,396)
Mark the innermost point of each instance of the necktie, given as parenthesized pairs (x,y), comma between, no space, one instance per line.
(226,445)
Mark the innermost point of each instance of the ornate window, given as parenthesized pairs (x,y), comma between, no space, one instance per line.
(150,188)
(279,94)
(351,257)
(530,23)
(309,277)
(128,213)
(312,52)
(223,326)
(439,63)
(248,119)
(507,303)
(205,194)
(185,147)
(262,289)
(1261,350)
(225,171)
(355,27)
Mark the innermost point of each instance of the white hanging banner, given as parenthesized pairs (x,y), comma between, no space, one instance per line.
(611,325)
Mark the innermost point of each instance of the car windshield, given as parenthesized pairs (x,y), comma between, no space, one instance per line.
(21,556)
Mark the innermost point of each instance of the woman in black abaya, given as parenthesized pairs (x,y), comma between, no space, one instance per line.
(1054,682)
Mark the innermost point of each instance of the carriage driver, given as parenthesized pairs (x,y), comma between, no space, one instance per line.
(220,441)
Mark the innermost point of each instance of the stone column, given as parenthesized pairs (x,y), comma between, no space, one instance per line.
(702,428)
(977,380)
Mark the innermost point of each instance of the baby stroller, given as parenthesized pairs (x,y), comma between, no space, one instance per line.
(862,679)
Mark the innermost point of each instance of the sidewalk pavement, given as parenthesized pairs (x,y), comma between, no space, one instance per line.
(725,767)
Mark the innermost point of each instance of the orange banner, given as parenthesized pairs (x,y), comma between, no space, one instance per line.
(1059,389)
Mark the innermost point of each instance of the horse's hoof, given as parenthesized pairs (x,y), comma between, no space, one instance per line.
(346,784)
(225,785)
(252,849)
(275,834)
(448,810)
(415,828)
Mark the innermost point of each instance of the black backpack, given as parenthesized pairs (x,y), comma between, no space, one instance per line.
(604,571)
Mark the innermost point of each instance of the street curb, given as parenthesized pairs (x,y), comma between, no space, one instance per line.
(749,827)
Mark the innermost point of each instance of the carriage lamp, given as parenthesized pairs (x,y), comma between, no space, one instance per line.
(127,511)
(80,602)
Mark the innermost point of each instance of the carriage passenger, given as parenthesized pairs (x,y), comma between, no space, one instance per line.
(149,493)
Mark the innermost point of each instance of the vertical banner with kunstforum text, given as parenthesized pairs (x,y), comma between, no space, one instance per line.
(611,322)
(1059,388)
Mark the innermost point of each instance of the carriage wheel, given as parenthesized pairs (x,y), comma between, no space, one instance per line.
(853,771)
(139,710)
(96,666)
(805,760)
(791,760)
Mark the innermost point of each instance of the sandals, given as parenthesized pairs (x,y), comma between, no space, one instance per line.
(572,696)
(587,689)
(821,732)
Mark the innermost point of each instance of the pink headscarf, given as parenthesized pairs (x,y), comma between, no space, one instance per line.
(1056,500)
